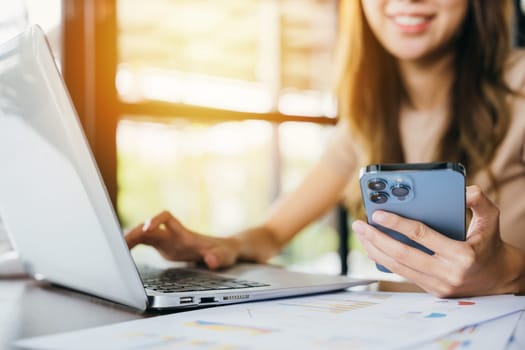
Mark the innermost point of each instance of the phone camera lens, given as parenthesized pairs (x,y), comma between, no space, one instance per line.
(400,191)
(377,184)
(379,197)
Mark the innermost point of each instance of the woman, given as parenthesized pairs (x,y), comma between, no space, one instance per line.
(421,81)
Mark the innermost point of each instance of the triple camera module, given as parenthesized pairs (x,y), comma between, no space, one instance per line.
(382,191)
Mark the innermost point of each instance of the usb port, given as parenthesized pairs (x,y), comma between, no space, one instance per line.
(186,300)
(206,300)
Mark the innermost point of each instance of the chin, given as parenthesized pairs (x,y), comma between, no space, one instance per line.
(410,53)
(410,57)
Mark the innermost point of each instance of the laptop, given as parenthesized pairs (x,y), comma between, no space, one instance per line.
(59,217)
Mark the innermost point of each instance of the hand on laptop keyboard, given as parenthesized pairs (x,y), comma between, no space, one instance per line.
(175,242)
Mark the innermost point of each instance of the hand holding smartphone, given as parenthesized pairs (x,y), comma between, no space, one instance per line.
(432,193)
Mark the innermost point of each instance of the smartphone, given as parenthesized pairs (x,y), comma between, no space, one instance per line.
(433,193)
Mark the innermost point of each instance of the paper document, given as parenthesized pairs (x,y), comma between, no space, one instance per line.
(493,335)
(346,320)
(517,341)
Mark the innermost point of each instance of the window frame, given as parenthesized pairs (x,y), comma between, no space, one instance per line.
(90,59)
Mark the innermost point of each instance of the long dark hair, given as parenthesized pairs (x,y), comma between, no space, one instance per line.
(371,92)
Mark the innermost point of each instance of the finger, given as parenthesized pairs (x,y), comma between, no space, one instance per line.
(217,257)
(418,232)
(401,252)
(211,261)
(139,236)
(164,218)
(134,236)
(428,283)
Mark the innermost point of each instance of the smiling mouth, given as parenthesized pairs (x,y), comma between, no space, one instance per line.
(412,23)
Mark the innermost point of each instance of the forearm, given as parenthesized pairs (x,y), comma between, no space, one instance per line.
(320,190)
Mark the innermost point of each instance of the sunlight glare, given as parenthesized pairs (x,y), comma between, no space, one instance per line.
(193,89)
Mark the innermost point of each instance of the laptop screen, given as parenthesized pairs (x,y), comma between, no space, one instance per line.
(52,199)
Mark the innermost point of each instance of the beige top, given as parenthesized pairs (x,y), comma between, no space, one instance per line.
(419,138)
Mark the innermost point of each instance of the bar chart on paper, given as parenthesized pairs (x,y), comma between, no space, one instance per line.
(328,306)
(357,320)
(228,328)
(493,335)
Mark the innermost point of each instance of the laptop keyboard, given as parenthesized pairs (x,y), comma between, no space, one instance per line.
(189,280)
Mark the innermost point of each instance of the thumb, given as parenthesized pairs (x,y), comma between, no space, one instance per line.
(480,204)
(485,214)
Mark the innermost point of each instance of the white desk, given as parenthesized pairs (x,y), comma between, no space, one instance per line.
(29,308)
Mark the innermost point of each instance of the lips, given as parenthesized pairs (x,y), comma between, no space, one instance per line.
(412,23)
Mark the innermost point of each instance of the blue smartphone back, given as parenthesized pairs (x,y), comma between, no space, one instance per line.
(433,193)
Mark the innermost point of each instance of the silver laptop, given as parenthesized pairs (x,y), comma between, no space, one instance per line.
(60,220)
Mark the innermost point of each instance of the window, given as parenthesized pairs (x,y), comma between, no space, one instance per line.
(256,56)
(225,104)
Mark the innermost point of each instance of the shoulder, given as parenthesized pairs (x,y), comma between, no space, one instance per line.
(515,70)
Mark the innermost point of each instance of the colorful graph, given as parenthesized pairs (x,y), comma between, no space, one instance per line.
(487,335)
(224,327)
(460,302)
(447,344)
(351,320)
(334,307)
(159,341)
(466,303)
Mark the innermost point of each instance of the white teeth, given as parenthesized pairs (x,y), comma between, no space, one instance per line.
(409,20)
